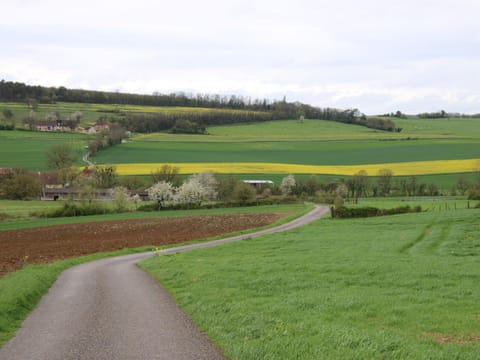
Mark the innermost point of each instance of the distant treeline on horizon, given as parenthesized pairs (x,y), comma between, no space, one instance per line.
(252,110)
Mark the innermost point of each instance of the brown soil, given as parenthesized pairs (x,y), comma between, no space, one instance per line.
(47,244)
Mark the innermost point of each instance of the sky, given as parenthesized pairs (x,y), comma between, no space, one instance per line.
(375,55)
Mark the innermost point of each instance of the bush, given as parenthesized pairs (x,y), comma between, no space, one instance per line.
(70,209)
(217,205)
(347,213)
(473,194)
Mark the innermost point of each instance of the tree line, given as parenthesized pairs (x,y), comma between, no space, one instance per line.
(254,109)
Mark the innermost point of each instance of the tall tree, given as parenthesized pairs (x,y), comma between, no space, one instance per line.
(168,173)
(61,156)
(384,181)
(104,176)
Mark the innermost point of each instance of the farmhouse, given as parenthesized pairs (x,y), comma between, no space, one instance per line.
(51,125)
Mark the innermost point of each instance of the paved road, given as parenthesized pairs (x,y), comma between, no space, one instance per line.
(110,309)
(85,159)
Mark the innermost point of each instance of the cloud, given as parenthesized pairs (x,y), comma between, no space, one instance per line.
(375,55)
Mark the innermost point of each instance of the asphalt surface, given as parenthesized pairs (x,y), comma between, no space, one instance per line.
(110,309)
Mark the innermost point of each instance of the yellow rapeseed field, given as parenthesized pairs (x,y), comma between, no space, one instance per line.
(403,168)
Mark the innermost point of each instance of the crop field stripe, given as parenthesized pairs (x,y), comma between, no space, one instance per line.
(402,168)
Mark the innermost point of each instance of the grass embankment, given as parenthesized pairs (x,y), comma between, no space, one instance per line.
(22,290)
(398,287)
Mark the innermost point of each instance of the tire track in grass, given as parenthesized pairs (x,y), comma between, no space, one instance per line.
(407,248)
(437,241)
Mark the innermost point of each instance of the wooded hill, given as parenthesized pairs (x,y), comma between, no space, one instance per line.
(246,109)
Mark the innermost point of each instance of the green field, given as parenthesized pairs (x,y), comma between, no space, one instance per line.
(292,152)
(27,149)
(23,209)
(313,142)
(397,287)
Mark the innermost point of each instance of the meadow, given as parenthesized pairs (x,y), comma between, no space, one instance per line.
(27,149)
(396,287)
(291,152)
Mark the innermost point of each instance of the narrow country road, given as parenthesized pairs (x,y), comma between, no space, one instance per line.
(110,309)
(85,159)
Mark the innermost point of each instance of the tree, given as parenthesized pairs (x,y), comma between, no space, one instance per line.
(384,181)
(191,192)
(359,184)
(132,183)
(61,156)
(7,113)
(342,191)
(68,175)
(168,173)
(104,176)
(287,185)
(462,185)
(120,198)
(19,185)
(209,182)
(244,193)
(312,185)
(161,192)
(225,187)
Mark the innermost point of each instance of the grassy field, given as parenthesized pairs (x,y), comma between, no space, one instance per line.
(23,209)
(282,142)
(263,146)
(398,287)
(294,152)
(27,149)
(310,130)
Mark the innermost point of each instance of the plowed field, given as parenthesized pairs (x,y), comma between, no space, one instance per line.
(47,244)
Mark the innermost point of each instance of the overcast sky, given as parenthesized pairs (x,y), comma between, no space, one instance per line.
(375,55)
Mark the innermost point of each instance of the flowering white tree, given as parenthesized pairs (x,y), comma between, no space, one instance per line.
(208,182)
(161,192)
(191,192)
(287,185)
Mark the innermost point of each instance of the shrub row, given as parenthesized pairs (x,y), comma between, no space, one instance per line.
(346,213)
(219,205)
(70,209)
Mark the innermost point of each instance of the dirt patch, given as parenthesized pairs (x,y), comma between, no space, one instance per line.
(47,244)
(455,339)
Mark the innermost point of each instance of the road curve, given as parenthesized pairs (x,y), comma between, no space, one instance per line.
(110,309)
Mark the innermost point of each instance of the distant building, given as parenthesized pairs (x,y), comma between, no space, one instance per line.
(259,184)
